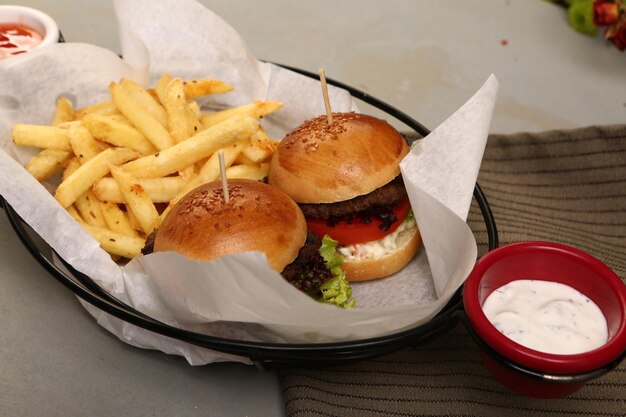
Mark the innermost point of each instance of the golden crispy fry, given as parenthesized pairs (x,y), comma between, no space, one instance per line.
(64,111)
(193,118)
(177,111)
(194,107)
(261,147)
(116,243)
(117,220)
(47,162)
(193,149)
(243,160)
(105,108)
(146,100)
(161,87)
(121,119)
(210,171)
(205,86)
(251,172)
(83,178)
(134,223)
(160,190)
(83,144)
(257,109)
(41,136)
(75,215)
(188,172)
(112,130)
(142,137)
(136,199)
(140,117)
(72,165)
(89,208)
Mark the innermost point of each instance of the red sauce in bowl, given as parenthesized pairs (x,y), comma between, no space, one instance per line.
(17,38)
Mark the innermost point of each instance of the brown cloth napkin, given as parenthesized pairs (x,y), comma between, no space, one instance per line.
(563,186)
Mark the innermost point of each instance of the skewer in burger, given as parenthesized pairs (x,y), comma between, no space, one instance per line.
(345,176)
(257,217)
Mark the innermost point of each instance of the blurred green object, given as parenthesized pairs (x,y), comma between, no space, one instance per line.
(580,17)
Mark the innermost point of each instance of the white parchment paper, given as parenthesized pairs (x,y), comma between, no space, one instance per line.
(240,296)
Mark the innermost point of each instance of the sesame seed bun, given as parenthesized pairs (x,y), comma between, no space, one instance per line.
(257,217)
(322,163)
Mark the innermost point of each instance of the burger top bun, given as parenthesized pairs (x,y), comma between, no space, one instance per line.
(322,163)
(257,217)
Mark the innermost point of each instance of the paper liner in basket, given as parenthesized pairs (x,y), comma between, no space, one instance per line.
(238,297)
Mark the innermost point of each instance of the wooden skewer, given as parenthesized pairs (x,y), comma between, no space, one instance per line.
(220,155)
(329,113)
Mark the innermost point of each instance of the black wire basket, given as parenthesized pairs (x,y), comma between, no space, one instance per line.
(263,355)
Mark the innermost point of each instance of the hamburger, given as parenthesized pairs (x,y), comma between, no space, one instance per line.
(257,217)
(345,177)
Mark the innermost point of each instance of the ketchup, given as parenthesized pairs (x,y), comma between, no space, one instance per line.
(16,39)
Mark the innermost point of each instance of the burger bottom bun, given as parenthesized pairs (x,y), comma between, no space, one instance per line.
(368,269)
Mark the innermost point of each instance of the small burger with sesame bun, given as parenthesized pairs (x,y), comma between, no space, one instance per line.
(256,217)
(345,176)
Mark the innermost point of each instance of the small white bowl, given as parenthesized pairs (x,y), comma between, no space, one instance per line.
(34,19)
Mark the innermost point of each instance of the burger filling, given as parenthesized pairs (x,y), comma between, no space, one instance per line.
(381,247)
(308,271)
(316,271)
(367,218)
(388,195)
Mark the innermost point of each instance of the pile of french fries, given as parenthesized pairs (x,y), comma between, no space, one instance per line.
(125,162)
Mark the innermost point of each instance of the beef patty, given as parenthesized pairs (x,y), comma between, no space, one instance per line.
(388,195)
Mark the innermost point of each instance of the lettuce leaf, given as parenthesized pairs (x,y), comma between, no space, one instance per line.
(336,290)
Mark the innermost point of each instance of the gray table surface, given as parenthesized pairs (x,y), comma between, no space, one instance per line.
(423,57)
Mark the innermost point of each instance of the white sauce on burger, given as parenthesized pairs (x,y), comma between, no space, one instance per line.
(382,247)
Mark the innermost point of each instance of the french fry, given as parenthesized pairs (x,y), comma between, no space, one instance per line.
(140,117)
(161,87)
(47,162)
(257,109)
(177,111)
(251,172)
(89,209)
(134,223)
(64,111)
(84,146)
(193,149)
(145,100)
(83,178)
(205,86)
(104,108)
(243,160)
(261,147)
(75,215)
(112,130)
(117,220)
(116,243)
(72,165)
(160,190)
(194,107)
(136,199)
(41,136)
(121,119)
(141,137)
(193,118)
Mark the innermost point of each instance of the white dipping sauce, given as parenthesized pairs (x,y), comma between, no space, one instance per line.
(547,316)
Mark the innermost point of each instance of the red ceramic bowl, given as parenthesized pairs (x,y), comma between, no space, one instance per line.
(528,371)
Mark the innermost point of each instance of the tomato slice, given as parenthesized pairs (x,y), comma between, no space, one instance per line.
(347,233)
